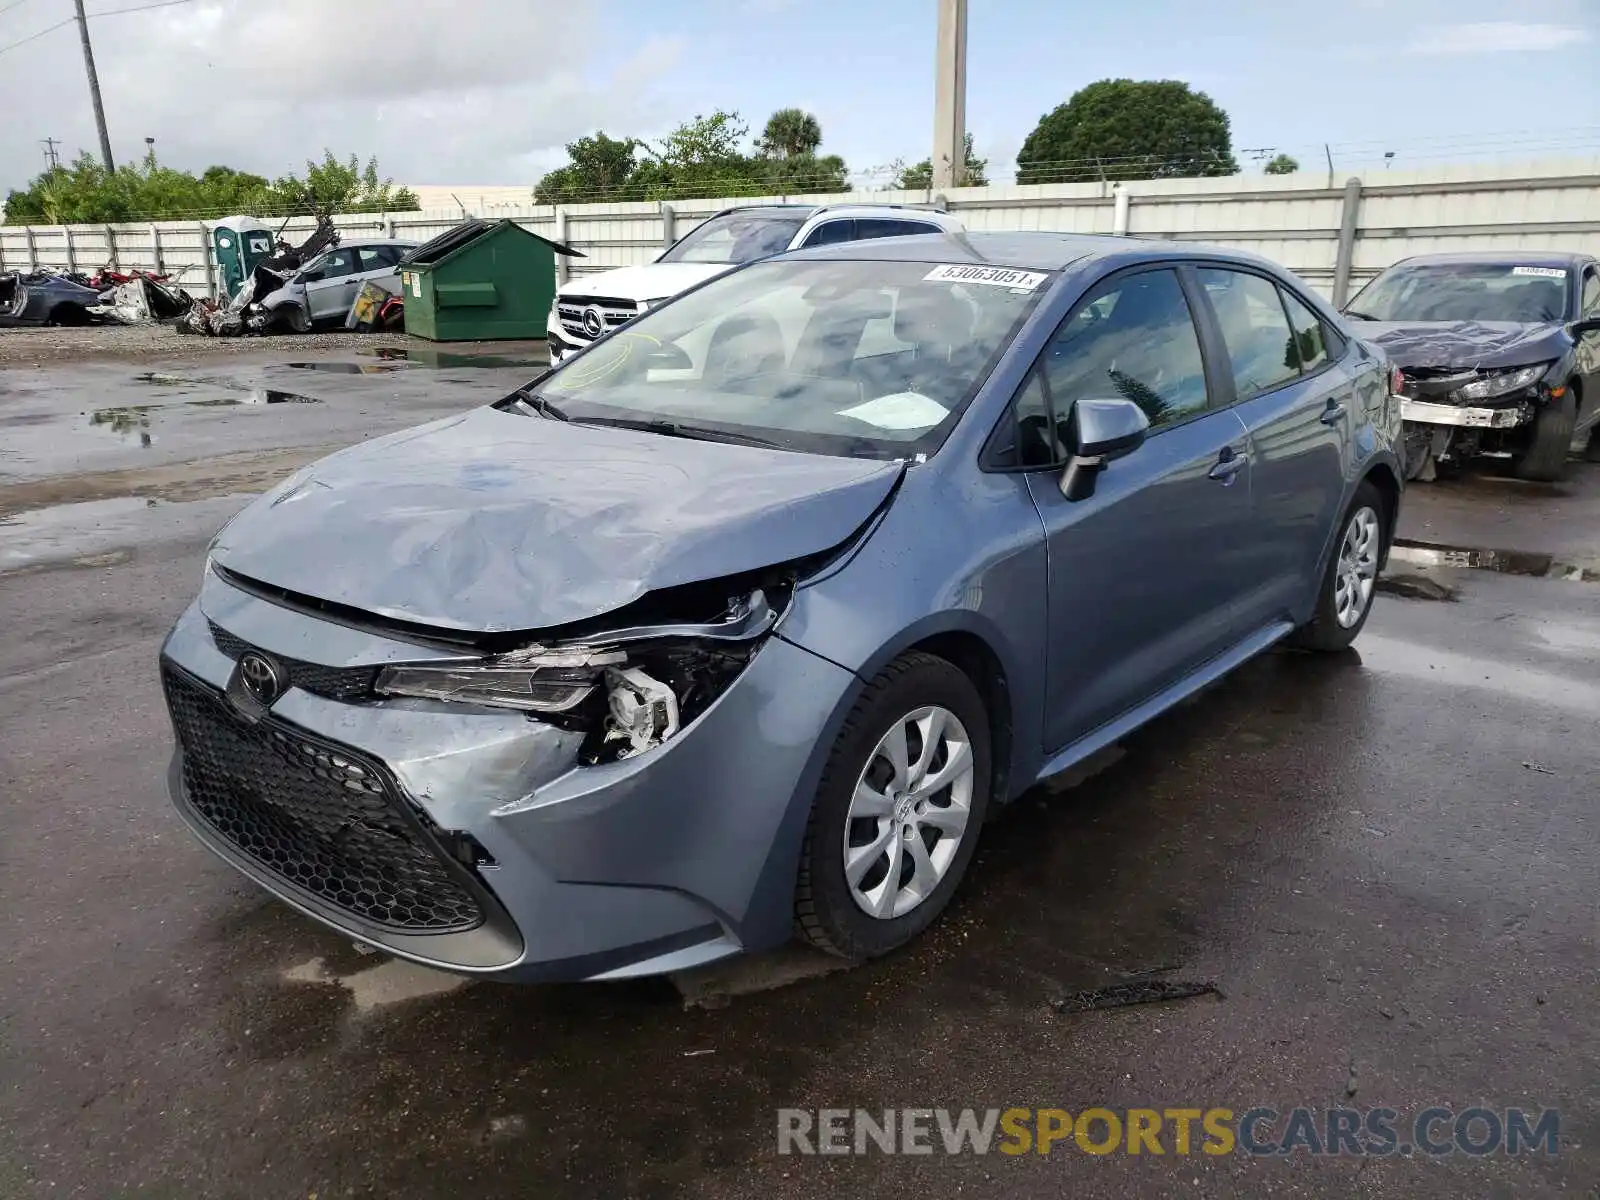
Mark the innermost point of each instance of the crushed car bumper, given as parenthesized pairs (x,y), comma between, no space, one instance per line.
(472,839)
(1424,412)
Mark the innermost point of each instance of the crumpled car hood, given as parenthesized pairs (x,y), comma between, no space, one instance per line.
(1464,345)
(493,522)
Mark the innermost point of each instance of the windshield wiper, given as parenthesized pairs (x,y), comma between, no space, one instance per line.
(696,433)
(1358,315)
(537,404)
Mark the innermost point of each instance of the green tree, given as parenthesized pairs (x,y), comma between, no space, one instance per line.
(712,141)
(974,172)
(599,168)
(1283,164)
(331,186)
(703,157)
(1129,129)
(85,192)
(790,133)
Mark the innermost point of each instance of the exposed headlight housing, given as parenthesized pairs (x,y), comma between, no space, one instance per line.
(535,680)
(630,689)
(1502,384)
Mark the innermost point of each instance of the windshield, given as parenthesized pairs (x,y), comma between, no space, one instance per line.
(863,359)
(1464,292)
(738,237)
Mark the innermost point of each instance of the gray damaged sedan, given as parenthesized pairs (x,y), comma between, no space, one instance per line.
(743,620)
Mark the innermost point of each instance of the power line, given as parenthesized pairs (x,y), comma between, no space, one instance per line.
(9,7)
(36,36)
(115,12)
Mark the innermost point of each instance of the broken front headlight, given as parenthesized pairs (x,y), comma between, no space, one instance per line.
(538,681)
(629,689)
(1503,383)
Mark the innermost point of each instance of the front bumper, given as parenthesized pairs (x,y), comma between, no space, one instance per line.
(679,856)
(1424,412)
(561,342)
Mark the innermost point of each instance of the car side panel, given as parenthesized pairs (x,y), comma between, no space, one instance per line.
(951,555)
(1300,453)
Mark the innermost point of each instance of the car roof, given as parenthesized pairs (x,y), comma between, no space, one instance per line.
(1024,250)
(887,210)
(1509,258)
(373,241)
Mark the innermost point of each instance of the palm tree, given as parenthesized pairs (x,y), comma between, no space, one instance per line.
(790,133)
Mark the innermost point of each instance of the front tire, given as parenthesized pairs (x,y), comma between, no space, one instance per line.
(1545,459)
(898,812)
(1344,598)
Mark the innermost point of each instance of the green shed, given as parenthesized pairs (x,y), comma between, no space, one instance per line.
(481,281)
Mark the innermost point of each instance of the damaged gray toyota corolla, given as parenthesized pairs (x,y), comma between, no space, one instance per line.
(739,622)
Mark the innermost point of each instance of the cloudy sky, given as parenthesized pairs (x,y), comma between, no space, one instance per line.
(478,92)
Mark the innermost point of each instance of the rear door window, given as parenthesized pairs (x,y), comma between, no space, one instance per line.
(831,232)
(882,227)
(375,258)
(1261,350)
(1310,334)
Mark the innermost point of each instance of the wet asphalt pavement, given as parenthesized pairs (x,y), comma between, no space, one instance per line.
(1386,862)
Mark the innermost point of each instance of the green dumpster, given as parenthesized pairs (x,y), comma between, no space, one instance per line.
(481,281)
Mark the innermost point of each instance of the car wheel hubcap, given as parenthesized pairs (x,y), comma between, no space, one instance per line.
(1357,569)
(909,813)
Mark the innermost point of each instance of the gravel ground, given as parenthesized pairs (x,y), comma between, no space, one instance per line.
(148,343)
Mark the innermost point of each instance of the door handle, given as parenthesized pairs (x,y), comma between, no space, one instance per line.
(1228,465)
(1333,414)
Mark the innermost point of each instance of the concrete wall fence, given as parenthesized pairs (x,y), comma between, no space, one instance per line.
(1336,232)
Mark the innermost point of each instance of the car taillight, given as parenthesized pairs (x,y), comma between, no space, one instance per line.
(1397,381)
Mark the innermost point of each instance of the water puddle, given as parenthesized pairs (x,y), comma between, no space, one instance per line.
(1447,668)
(83,533)
(444,359)
(1502,562)
(348,368)
(130,423)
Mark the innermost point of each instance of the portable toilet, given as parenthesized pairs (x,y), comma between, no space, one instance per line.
(480,281)
(239,243)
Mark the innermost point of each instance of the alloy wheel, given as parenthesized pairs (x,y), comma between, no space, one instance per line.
(909,813)
(1357,571)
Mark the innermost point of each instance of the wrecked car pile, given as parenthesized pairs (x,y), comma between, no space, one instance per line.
(142,299)
(46,297)
(245,314)
(49,297)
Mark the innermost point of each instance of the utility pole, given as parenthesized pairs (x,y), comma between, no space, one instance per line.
(50,154)
(94,90)
(950,96)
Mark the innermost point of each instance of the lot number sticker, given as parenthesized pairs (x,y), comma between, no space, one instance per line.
(1021,281)
(1540,272)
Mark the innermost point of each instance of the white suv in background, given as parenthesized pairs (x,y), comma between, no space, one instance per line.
(592,305)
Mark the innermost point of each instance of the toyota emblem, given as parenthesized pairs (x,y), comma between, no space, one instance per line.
(594,321)
(261,678)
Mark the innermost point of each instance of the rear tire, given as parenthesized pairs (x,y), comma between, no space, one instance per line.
(1344,597)
(892,838)
(1545,459)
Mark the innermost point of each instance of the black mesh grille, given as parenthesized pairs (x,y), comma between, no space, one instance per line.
(335,683)
(322,817)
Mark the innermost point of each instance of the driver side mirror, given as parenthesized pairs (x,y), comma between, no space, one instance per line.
(1103,430)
